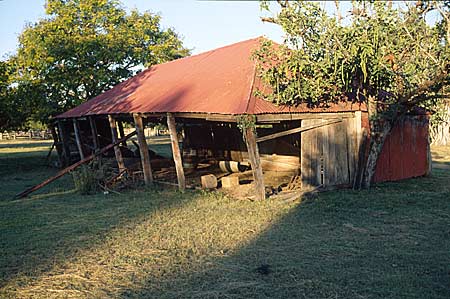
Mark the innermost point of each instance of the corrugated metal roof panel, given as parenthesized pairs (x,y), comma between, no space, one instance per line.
(217,81)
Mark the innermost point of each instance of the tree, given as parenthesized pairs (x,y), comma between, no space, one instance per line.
(440,123)
(11,113)
(386,56)
(82,48)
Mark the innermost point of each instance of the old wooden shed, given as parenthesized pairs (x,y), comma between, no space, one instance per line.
(204,96)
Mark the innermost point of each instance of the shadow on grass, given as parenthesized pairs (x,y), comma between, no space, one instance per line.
(20,170)
(389,242)
(45,230)
(16,144)
(52,226)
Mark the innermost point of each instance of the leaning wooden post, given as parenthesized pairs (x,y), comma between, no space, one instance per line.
(63,139)
(143,149)
(58,146)
(94,133)
(253,153)
(176,151)
(76,129)
(121,132)
(117,152)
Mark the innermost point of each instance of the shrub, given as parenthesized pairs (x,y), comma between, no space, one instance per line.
(88,179)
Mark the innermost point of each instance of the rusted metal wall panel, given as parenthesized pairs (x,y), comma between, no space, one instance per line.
(404,153)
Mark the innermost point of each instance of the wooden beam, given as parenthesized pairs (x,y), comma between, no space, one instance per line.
(176,151)
(208,116)
(76,129)
(297,130)
(72,167)
(268,118)
(94,133)
(253,153)
(143,149)
(121,132)
(58,145)
(117,152)
(65,146)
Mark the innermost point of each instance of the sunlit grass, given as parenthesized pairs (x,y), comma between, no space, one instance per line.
(390,242)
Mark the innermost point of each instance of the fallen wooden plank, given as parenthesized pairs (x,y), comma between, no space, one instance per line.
(297,130)
(73,166)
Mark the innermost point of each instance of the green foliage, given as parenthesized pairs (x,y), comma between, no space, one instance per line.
(383,51)
(82,48)
(88,178)
(11,110)
(246,121)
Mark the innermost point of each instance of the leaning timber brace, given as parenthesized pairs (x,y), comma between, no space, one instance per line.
(73,166)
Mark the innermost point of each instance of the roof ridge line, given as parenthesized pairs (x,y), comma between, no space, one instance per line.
(202,53)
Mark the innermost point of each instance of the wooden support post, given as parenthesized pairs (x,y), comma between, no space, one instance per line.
(65,146)
(94,133)
(118,153)
(76,129)
(58,145)
(253,153)
(176,151)
(143,149)
(121,132)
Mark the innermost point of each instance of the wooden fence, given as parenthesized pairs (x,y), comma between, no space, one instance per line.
(31,134)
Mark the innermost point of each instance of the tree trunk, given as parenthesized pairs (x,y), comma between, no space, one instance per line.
(377,139)
(440,126)
(380,127)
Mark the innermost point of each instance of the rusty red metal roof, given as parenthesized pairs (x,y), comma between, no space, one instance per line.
(218,81)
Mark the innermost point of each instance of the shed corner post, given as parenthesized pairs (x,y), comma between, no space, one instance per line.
(176,151)
(253,153)
(143,149)
(117,152)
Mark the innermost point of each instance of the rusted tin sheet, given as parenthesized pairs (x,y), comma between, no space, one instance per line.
(219,81)
(404,153)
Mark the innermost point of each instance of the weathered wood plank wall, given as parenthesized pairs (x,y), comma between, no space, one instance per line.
(329,153)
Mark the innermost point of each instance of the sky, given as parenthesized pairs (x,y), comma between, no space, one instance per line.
(203,25)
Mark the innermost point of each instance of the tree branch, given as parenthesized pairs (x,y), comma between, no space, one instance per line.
(417,95)
(268,20)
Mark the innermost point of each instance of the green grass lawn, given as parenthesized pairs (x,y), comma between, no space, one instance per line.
(390,242)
